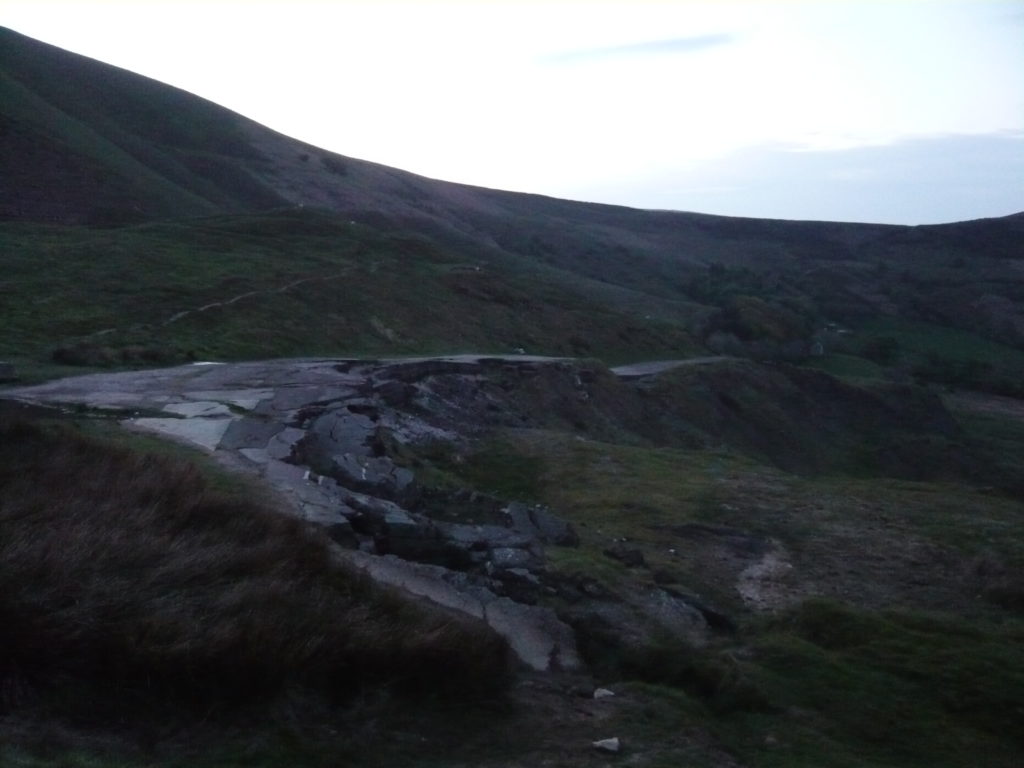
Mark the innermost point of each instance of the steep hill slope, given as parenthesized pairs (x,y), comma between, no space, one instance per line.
(166,153)
(84,144)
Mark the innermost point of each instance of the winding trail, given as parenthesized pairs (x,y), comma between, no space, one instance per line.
(234,299)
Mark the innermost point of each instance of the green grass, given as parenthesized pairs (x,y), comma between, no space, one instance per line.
(319,285)
(847,366)
(854,688)
(918,341)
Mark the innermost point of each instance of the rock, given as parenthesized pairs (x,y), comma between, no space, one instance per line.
(535,635)
(517,584)
(485,537)
(342,431)
(511,558)
(628,556)
(380,516)
(540,523)
(611,745)
(395,393)
(675,614)
(378,476)
(518,516)
(553,529)
(603,693)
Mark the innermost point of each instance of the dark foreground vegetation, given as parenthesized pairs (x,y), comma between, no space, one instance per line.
(130,592)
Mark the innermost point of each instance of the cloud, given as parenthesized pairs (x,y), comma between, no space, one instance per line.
(678,45)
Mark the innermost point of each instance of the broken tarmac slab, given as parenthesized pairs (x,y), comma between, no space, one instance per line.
(538,638)
(204,433)
(266,418)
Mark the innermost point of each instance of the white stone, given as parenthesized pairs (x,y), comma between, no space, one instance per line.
(608,745)
(603,693)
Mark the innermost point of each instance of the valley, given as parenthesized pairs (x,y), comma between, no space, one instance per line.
(308,461)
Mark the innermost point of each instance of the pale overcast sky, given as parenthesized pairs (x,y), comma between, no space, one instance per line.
(903,111)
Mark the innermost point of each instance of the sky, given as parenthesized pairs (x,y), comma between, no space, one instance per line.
(897,111)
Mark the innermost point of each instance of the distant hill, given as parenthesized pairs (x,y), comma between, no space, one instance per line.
(98,149)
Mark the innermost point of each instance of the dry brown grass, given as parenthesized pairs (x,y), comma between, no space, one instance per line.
(123,572)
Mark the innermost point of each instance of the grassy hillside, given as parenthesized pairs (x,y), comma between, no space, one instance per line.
(894,631)
(119,147)
(293,283)
(88,144)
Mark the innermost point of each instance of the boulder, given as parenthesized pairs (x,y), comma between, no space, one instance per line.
(553,529)
(485,537)
(539,522)
(628,556)
(380,517)
(511,558)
